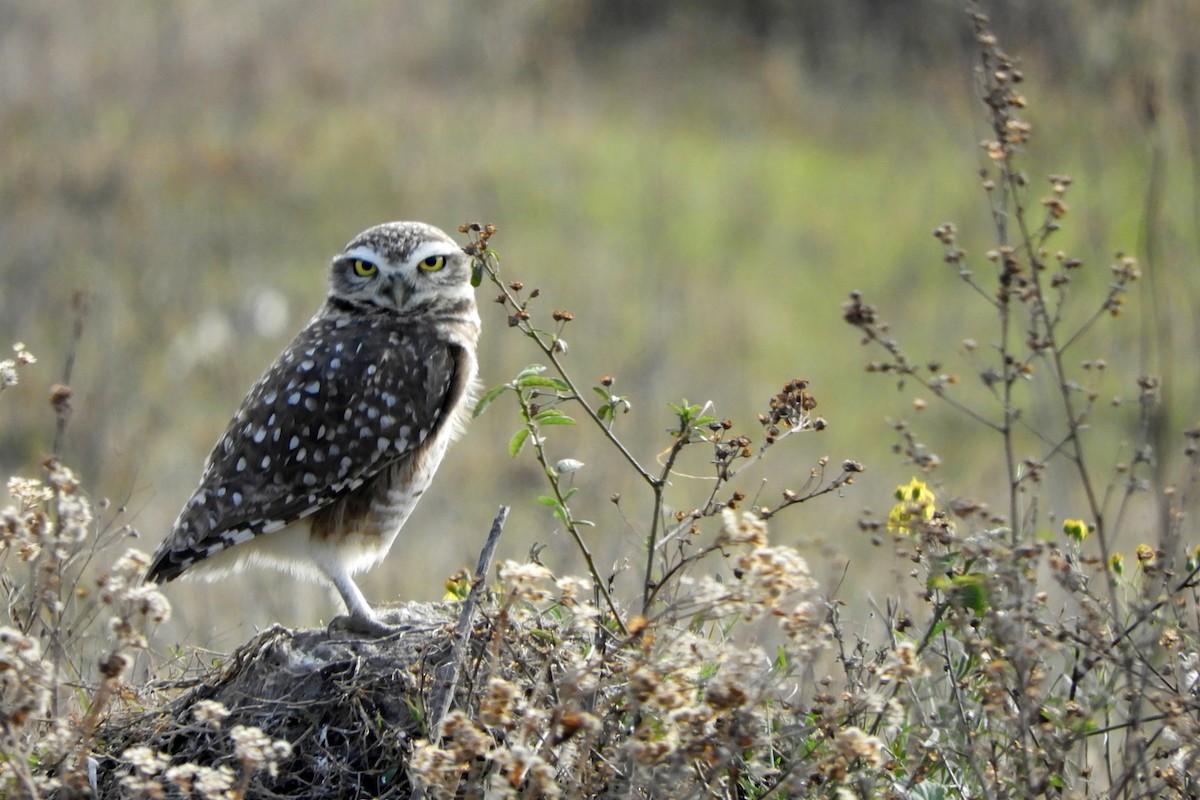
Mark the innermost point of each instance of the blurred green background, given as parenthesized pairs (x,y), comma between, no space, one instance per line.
(701,183)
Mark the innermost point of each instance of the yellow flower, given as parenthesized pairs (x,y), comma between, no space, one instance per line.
(1117,562)
(458,586)
(915,503)
(1077,529)
(1145,554)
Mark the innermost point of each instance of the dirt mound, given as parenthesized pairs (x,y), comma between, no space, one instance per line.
(344,709)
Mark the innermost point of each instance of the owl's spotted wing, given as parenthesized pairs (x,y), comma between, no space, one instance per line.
(344,400)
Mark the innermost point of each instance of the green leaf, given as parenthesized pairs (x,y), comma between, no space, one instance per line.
(971,591)
(927,790)
(488,397)
(544,381)
(532,369)
(600,390)
(552,416)
(967,591)
(543,635)
(604,413)
(546,500)
(517,442)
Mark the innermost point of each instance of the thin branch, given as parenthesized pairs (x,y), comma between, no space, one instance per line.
(466,620)
(548,350)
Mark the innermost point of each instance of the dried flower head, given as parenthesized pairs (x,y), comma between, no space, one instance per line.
(9,366)
(854,743)
(747,528)
(470,741)
(25,680)
(29,493)
(500,704)
(435,768)
(255,750)
(903,664)
(527,581)
(209,713)
(213,783)
(771,574)
(521,765)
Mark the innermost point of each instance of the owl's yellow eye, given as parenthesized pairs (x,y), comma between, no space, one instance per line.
(364,269)
(433,263)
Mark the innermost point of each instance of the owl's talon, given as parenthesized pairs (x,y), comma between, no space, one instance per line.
(368,626)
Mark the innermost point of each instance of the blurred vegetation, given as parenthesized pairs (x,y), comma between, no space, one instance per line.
(702,184)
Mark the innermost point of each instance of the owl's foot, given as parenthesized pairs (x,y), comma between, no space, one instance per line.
(367,625)
(359,616)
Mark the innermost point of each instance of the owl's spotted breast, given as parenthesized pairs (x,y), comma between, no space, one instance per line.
(331,412)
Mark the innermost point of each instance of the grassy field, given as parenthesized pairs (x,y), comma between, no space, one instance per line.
(701,200)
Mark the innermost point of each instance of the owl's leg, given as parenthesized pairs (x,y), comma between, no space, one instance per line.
(361,618)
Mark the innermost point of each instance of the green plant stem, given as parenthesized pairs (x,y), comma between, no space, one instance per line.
(550,353)
(648,583)
(1074,423)
(568,520)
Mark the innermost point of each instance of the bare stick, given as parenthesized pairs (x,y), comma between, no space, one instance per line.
(60,393)
(462,633)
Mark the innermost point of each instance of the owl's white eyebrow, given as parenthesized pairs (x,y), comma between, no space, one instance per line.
(365,253)
(428,249)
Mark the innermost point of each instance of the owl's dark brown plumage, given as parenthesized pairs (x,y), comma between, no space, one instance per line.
(332,448)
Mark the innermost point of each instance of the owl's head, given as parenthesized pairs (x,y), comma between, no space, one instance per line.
(405,267)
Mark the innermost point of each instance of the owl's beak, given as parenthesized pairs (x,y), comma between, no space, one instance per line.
(398,290)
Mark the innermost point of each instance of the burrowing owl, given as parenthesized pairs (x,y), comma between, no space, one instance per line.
(332,448)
